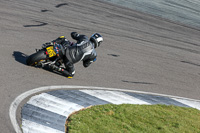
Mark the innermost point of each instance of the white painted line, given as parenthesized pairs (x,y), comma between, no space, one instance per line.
(54,104)
(114,97)
(191,103)
(14,105)
(40,128)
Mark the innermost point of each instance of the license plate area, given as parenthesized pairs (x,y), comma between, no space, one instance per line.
(50,51)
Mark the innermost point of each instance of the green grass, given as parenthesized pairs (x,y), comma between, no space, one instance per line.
(127,118)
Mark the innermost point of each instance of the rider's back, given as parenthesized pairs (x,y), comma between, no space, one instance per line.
(83,50)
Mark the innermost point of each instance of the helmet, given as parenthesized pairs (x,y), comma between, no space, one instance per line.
(74,35)
(96,38)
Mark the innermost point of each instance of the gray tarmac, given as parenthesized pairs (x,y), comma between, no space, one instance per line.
(140,51)
(183,11)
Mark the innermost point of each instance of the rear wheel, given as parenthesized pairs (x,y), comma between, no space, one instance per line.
(36,57)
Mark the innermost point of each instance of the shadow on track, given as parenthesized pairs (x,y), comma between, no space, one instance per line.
(20,57)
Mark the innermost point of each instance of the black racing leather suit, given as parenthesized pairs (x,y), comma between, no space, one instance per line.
(82,50)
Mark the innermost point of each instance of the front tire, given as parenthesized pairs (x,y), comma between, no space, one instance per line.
(36,57)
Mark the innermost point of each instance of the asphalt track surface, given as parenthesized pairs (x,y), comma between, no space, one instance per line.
(139,52)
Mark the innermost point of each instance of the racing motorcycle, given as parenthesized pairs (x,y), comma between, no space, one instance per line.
(47,57)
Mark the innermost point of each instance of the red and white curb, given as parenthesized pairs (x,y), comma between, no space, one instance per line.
(48,111)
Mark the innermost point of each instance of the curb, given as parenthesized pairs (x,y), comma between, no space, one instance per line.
(44,113)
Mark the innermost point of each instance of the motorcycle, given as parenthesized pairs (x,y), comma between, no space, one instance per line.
(47,57)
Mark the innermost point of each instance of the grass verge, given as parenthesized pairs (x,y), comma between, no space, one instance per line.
(128,118)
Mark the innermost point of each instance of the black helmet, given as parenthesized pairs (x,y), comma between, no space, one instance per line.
(96,38)
(74,35)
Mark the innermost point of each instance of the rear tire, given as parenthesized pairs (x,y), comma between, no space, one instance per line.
(36,57)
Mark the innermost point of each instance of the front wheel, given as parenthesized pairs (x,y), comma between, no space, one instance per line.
(36,57)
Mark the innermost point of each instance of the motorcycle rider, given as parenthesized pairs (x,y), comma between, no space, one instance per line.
(71,53)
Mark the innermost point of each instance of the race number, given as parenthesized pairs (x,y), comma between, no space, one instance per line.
(50,51)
